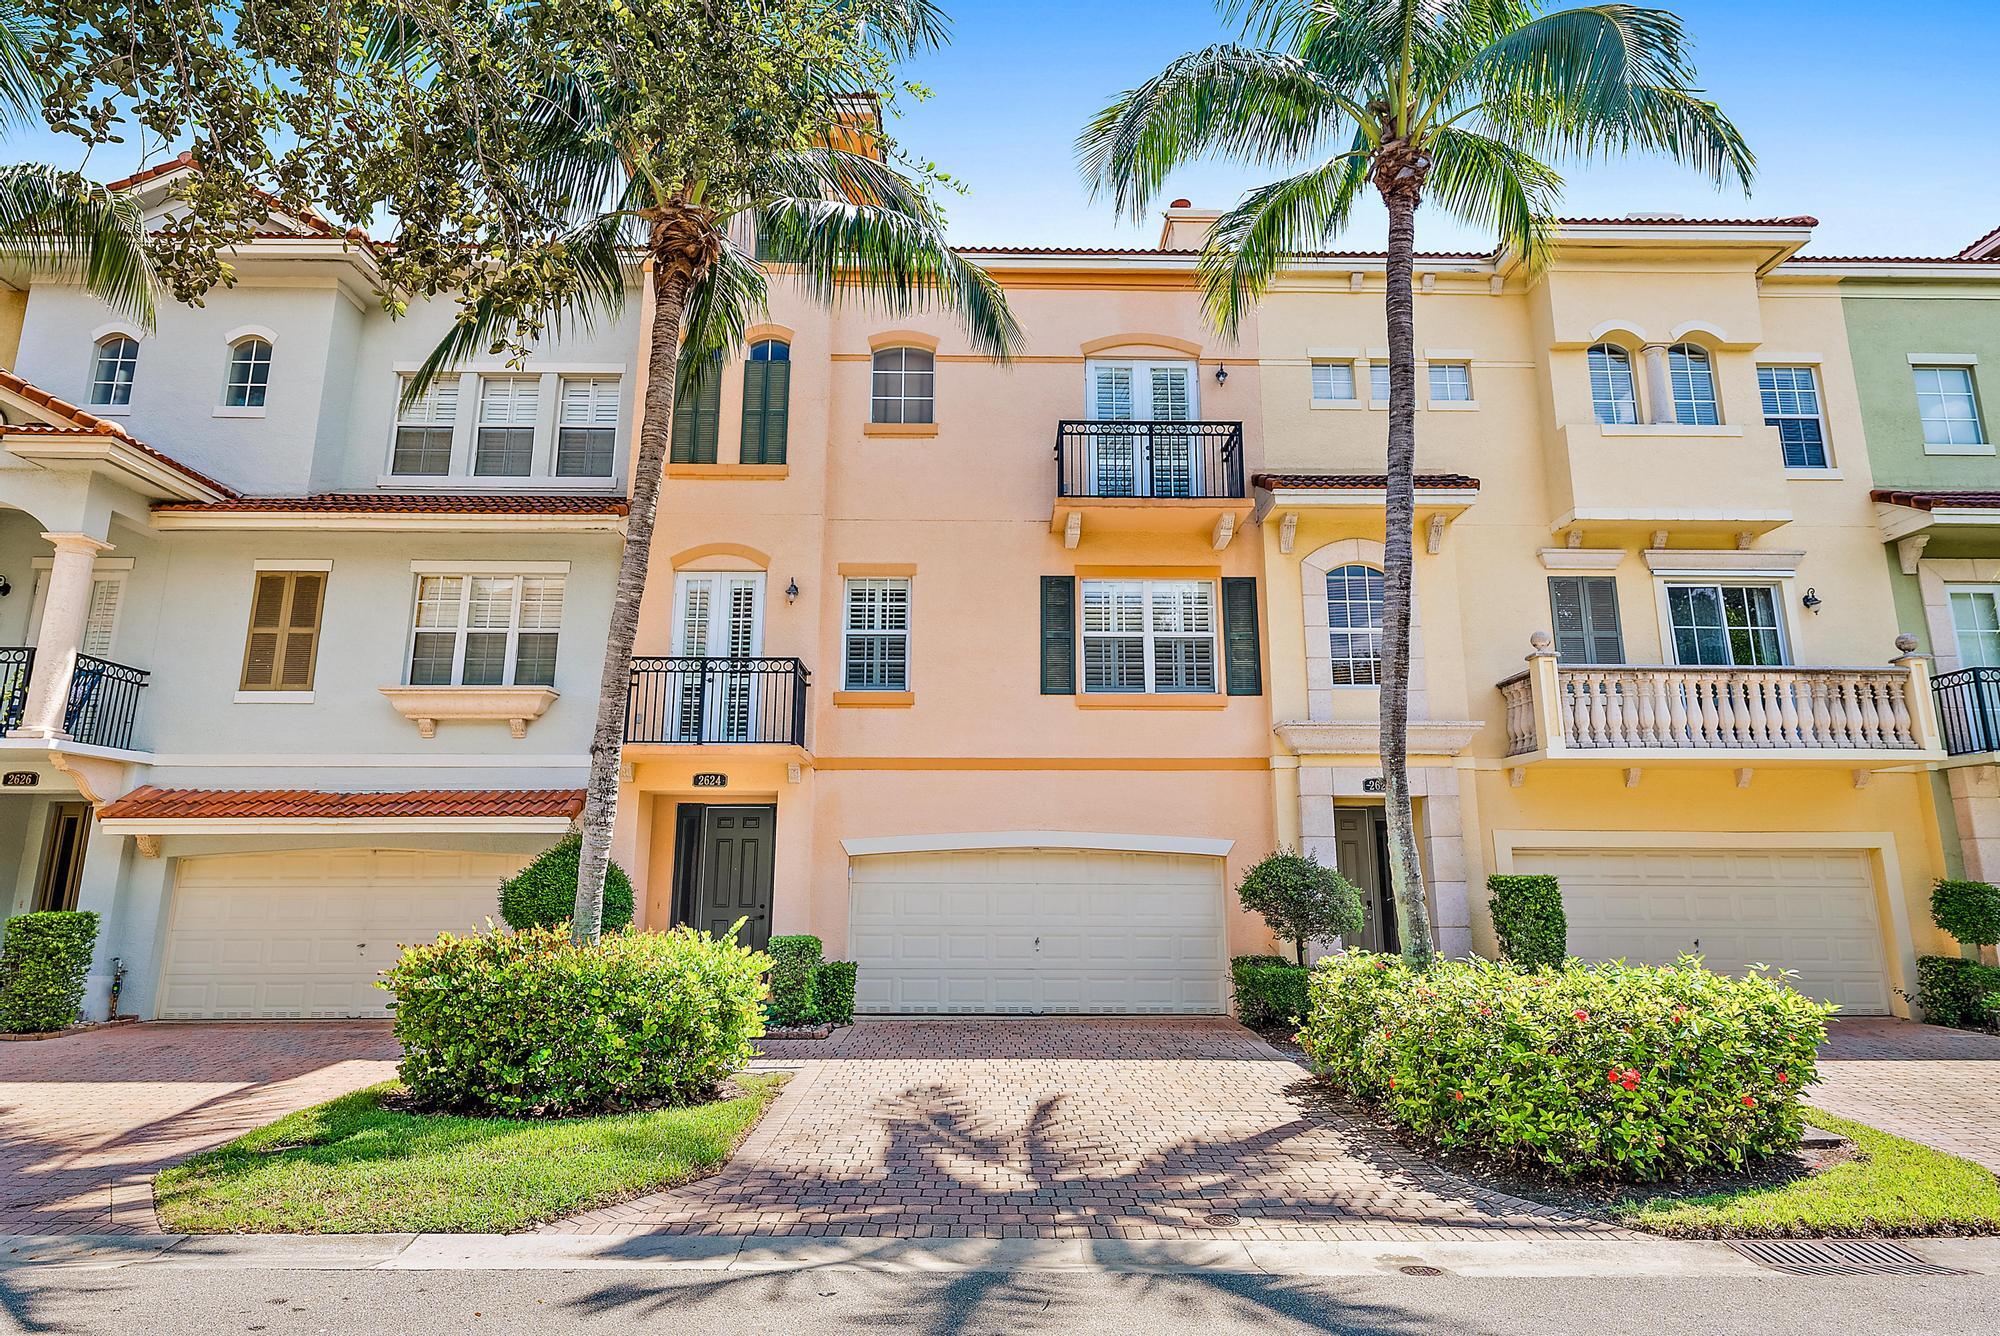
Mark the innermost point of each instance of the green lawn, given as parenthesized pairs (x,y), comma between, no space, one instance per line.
(1895,1187)
(349,1166)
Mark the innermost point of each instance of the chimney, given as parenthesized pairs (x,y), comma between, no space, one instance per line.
(1184,227)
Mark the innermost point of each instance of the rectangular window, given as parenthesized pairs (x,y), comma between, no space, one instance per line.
(1451,383)
(1791,404)
(1975,618)
(423,430)
(875,635)
(1724,625)
(903,386)
(587,431)
(486,630)
(1585,612)
(1378,382)
(1333,382)
(1947,406)
(508,406)
(283,641)
(1148,636)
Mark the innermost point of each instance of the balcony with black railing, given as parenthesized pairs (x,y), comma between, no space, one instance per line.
(17,663)
(717,702)
(1157,476)
(103,702)
(1968,707)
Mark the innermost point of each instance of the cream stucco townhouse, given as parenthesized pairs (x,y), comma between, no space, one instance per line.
(288,673)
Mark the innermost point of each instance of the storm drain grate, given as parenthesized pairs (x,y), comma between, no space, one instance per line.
(1222,1219)
(1839,1257)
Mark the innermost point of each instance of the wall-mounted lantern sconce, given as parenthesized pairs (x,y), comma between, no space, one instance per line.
(1812,601)
(5,588)
(792,592)
(1221,375)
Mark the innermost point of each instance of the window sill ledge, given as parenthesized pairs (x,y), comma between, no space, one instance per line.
(1814,475)
(1191,700)
(244,412)
(425,706)
(879,700)
(1986,448)
(731,472)
(274,698)
(1326,405)
(899,429)
(1452,406)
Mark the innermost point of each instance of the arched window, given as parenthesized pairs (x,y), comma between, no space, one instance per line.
(112,369)
(1354,623)
(249,373)
(1692,376)
(1613,395)
(767,391)
(904,388)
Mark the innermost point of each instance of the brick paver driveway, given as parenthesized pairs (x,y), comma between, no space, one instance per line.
(1937,1086)
(1061,1129)
(87,1120)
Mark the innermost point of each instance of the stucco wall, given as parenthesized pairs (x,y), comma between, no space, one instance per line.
(1888,322)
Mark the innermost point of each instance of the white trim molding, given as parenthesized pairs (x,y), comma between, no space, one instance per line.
(1944,359)
(1363,737)
(867,846)
(1582,558)
(290,564)
(434,567)
(1713,561)
(242,332)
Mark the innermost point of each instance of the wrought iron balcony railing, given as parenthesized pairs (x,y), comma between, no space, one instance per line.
(17,662)
(103,701)
(1968,704)
(696,702)
(1165,460)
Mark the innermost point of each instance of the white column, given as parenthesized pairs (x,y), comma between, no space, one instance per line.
(1659,387)
(65,612)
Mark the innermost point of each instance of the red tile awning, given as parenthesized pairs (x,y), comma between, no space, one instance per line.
(148,803)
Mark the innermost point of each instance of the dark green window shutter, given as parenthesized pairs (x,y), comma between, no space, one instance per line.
(767,388)
(1058,635)
(698,419)
(1242,660)
(1585,608)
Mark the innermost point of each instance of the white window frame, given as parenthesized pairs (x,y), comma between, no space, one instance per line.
(1142,369)
(1964,366)
(1631,373)
(1333,364)
(902,401)
(229,383)
(1375,364)
(1331,631)
(459,632)
(1706,361)
(1771,419)
(1951,593)
(1149,636)
(595,423)
(547,428)
(1434,365)
(112,407)
(848,631)
(1781,597)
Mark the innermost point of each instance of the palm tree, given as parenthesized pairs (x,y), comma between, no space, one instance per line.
(59,222)
(1461,101)
(829,208)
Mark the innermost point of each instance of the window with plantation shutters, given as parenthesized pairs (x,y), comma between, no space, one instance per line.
(1585,610)
(698,416)
(1148,636)
(587,431)
(508,407)
(875,634)
(423,430)
(486,630)
(283,643)
(767,389)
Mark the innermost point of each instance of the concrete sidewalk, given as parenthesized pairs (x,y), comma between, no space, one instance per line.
(1525,1257)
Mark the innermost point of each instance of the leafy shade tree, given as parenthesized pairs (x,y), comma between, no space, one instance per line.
(1301,899)
(528,151)
(1968,910)
(1461,102)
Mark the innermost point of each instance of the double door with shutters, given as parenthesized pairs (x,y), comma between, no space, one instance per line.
(1149,458)
(718,633)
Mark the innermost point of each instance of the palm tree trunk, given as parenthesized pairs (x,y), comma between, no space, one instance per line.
(1406,874)
(673,278)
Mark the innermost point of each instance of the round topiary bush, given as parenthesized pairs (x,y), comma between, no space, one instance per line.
(529,1024)
(1637,1072)
(1968,910)
(1301,899)
(543,893)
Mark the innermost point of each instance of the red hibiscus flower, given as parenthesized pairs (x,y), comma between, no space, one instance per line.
(1583,1015)
(1749,1101)
(1783,1078)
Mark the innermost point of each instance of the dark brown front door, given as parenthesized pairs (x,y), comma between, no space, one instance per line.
(723,869)
(1364,860)
(62,856)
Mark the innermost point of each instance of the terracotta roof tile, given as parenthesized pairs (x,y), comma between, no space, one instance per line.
(85,423)
(1796,220)
(154,804)
(159,169)
(1984,248)
(1362,482)
(409,503)
(1894,259)
(1929,500)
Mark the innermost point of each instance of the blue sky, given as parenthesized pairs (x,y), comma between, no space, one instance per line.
(1877,120)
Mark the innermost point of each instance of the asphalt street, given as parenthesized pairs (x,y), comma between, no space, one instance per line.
(173,1301)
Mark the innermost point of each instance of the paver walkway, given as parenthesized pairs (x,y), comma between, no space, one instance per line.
(88,1119)
(1168,1128)
(1924,1082)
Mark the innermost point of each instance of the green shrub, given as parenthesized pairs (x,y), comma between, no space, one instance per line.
(1270,992)
(44,960)
(1301,900)
(1968,910)
(1528,919)
(528,1024)
(1635,1072)
(792,961)
(1954,991)
(833,990)
(543,893)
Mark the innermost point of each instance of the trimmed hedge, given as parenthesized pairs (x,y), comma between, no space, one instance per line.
(1528,919)
(1961,993)
(527,1024)
(1632,1072)
(1968,910)
(833,990)
(1270,992)
(44,960)
(792,962)
(543,893)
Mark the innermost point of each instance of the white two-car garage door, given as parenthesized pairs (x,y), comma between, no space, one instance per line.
(305,933)
(1809,910)
(1037,930)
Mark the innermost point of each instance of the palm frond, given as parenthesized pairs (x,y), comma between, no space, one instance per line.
(725,298)
(1494,184)
(58,222)
(20,83)
(1271,224)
